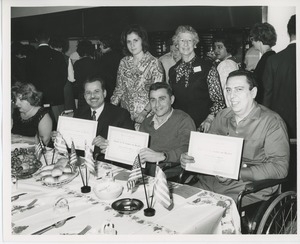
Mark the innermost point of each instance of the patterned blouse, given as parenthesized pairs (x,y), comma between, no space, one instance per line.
(133,83)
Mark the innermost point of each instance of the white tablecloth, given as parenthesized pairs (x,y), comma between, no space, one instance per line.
(195,211)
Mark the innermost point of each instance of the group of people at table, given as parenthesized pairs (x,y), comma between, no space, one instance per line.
(192,99)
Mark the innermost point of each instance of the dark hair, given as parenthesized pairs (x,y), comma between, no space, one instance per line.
(229,43)
(27,91)
(92,79)
(249,77)
(141,32)
(42,35)
(59,43)
(159,85)
(265,33)
(85,48)
(292,25)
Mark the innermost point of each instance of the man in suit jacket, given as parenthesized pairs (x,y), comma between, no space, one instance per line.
(106,114)
(49,74)
(279,81)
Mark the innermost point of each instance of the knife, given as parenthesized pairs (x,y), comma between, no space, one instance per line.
(13,198)
(55,225)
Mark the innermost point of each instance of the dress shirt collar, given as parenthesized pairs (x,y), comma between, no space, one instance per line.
(294,41)
(156,124)
(98,111)
(43,44)
(254,113)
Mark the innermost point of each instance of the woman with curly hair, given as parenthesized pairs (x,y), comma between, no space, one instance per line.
(29,118)
(136,72)
(263,37)
(195,81)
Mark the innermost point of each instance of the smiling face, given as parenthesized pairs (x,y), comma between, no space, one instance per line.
(134,44)
(93,94)
(161,102)
(186,44)
(220,51)
(239,96)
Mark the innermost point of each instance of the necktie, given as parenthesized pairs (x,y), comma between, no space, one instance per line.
(94,115)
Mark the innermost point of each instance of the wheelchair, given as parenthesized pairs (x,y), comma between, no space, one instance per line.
(277,215)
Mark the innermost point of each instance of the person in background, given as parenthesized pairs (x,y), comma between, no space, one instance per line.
(169,131)
(266,145)
(18,63)
(48,71)
(85,67)
(252,57)
(29,118)
(61,46)
(169,59)
(195,81)
(263,37)
(225,49)
(109,63)
(136,72)
(279,82)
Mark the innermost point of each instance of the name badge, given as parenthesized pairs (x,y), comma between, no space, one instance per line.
(197,69)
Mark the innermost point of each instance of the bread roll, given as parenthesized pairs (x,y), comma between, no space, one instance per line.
(48,167)
(67,169)
(63,177)
(50,179)
(56,172)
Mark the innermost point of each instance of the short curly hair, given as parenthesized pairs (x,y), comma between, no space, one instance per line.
(27,91)
(185,29)
(265,33)
(229,43)
(141,32)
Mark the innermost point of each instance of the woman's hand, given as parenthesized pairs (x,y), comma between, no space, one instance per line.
(205,125)
(99,141)
(186,159)
(148,155)
(142,115)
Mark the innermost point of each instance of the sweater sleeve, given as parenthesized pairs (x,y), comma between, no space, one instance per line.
(184,130)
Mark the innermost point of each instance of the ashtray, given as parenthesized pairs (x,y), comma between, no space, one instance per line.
(127,205)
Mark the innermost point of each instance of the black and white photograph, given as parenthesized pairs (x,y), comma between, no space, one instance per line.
(73,71)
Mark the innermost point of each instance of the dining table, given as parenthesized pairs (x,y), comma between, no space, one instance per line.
(193,211)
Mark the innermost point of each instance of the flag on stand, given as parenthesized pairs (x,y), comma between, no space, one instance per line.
(60,144)
(161,189)
(73,155)
(89,161)
(135,174)
(38,150)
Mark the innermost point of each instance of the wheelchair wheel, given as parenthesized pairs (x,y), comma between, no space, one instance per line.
(281,215)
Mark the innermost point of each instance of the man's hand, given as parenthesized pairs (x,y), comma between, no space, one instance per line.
(148,155)
(186,159)
(54,135)
(99,141)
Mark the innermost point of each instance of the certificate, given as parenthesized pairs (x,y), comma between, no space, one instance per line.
(80,131)
(124,145)
(215,154)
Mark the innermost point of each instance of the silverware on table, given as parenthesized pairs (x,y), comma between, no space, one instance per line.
(13,198)
(55,225)
(85,230)
(23,208)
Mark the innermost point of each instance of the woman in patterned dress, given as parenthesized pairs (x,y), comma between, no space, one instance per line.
(195,81)
(137,71)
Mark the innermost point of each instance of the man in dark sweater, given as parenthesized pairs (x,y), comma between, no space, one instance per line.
(169,131)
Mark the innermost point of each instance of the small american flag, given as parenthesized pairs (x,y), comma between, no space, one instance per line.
(73,156)
(135,174)
(88,158)
(60,144)
(161,189)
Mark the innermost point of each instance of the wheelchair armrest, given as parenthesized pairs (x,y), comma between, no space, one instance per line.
(257,186)
(262,184)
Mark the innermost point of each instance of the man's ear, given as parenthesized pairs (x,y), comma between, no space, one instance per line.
(104,93)
(254,92)
(172,99)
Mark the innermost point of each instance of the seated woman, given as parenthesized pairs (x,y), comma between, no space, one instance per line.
(29,119)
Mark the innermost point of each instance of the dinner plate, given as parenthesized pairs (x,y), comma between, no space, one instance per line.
(127,205)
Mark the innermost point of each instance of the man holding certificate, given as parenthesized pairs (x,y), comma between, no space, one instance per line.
(266,143)
(169,130)
(105,113)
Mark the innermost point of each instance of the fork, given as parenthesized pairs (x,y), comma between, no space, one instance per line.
(23,208)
